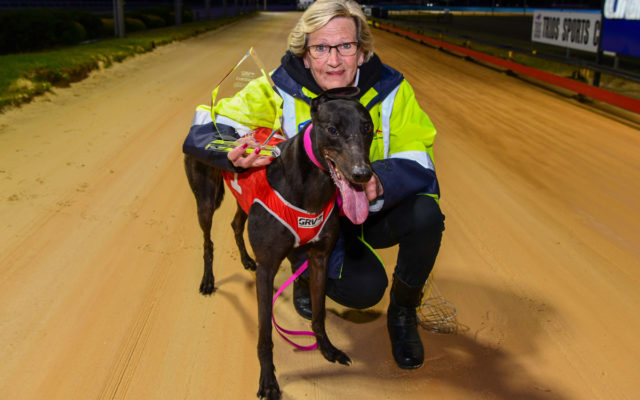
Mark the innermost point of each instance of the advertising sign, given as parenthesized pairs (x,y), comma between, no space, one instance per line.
(575,30)
(621,27)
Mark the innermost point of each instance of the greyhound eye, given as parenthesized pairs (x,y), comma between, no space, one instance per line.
(332,130)
(367,127)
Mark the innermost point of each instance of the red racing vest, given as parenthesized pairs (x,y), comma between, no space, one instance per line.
(252,187)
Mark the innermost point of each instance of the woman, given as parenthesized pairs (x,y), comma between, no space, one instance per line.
(330,47)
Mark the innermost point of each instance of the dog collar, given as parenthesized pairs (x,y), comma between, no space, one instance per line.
(309,149)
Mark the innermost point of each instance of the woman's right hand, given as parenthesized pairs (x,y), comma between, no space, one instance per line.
(240,158)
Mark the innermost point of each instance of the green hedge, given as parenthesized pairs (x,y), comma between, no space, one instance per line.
(38,29)
(167,13)
(28,30)
(90,21)
(152,21)
(108,28)
(133,25)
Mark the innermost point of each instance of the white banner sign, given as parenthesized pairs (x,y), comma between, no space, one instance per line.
(575,30)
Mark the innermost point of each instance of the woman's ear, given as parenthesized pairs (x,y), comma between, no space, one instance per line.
(306,62)
(360,58)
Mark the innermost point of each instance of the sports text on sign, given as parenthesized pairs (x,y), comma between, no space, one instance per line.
(574,30)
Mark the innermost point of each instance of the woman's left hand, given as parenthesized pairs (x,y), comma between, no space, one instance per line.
(373,189)
(240,158)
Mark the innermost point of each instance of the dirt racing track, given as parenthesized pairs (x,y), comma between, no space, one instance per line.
(100,249)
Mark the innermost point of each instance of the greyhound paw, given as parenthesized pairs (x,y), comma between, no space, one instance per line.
(334,355)
(249,264)
(207,287)
(342,358)
(269,389)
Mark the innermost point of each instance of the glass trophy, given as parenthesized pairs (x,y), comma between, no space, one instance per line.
(261,125)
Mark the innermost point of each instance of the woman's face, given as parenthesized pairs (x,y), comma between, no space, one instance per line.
(334,70)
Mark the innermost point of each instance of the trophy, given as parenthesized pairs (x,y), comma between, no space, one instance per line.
(260,125)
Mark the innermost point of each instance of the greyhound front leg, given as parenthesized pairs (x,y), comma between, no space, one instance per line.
(318,280)
(268,388)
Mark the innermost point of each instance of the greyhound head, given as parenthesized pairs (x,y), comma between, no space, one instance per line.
(343,132)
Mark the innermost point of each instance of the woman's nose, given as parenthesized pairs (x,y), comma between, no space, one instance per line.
(334,56)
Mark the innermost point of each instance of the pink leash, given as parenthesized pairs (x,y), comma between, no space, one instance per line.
(281,331)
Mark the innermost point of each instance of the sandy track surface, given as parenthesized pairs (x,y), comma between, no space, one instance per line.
(100,250)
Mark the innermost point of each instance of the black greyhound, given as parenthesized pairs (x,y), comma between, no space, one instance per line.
(341,136)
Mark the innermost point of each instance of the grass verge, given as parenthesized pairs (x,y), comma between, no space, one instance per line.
(27,75)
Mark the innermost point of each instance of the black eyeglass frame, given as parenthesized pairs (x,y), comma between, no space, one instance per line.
(337,47)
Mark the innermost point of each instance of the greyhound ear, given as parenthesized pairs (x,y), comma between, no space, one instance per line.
(349,92)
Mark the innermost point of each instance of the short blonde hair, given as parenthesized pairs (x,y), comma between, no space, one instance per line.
(319,14)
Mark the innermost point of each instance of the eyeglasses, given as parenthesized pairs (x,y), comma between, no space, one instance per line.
(323,50)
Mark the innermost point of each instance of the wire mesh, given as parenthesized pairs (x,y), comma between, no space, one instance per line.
(436,314)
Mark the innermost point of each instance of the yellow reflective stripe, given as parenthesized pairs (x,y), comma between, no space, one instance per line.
(308,93)
(432,195)
(368,96)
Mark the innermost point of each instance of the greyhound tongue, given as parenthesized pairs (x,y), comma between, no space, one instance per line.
(354,200)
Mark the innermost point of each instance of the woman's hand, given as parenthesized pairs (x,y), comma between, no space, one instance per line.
(240,158)
(373,189)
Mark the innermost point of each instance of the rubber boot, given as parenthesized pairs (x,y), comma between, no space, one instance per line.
(302,297)
(402,323)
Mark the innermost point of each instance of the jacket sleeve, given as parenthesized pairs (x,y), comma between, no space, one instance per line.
(201,133)
(401,178)
(408,168)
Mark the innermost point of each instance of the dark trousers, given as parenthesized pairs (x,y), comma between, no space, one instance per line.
(416,225)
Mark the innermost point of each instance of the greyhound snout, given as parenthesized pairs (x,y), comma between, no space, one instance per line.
(361,173)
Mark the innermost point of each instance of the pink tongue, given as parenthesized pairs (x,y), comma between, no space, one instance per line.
(354,201)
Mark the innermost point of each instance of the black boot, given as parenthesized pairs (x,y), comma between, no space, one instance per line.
(302,297)
(402,323)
